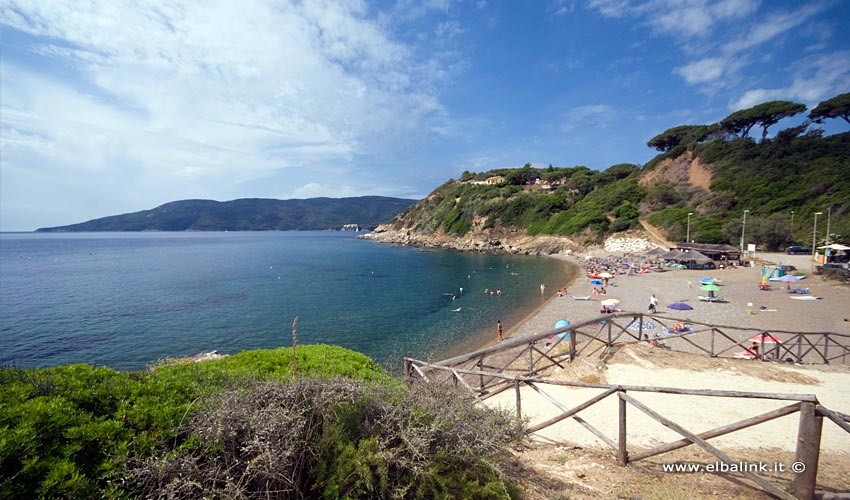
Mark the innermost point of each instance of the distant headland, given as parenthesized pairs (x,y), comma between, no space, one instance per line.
(251,214)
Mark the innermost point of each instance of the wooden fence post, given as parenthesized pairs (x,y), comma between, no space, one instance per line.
(622,452)
(826,348)
(572,345)
(480,376)
(407,377)
(808,450)
(518,401)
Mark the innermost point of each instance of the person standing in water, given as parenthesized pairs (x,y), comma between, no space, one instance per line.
(499,329)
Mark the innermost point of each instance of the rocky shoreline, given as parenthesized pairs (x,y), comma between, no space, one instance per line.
(511,241)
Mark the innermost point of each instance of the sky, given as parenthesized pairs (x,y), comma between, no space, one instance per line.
(109,107)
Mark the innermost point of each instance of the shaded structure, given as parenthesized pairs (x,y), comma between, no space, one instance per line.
(690,259)
(717,253)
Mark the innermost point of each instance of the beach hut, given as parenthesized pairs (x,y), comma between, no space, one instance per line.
(833,251)
(690,259)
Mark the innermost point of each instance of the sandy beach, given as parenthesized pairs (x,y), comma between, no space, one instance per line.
(644,365)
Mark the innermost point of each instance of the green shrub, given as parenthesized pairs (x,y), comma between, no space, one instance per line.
(68,431)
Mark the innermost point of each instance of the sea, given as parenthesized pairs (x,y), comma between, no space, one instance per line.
(128,300)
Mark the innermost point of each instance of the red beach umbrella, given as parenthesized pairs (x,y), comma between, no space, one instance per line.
(764,338)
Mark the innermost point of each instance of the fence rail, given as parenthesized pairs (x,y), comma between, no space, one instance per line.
(520,362)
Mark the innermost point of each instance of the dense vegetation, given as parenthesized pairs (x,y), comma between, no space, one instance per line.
(251,215)
(781,181)
(331,424)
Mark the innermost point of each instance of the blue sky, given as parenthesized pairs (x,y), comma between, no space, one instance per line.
(112,107)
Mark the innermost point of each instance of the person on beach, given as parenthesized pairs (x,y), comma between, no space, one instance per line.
(754,349)
(542,288)
(653,304)
(499,329)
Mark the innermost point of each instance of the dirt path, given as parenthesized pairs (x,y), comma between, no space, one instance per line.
(656,234)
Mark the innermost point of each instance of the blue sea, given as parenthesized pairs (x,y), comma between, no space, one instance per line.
(129,299)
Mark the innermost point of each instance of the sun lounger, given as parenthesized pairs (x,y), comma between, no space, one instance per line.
(583,297)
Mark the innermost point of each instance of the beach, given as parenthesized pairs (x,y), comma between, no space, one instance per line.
(643,364)
(739,287)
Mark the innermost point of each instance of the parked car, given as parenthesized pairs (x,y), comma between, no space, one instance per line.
(798,250)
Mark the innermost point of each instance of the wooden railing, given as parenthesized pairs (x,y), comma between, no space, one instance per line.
(520,362)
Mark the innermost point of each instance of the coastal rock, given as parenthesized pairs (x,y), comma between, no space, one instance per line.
(481,240)
(628,244)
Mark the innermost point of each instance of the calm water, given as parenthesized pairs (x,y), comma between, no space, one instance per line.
(128,299)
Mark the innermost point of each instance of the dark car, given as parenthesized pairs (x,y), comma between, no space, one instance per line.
(798,250)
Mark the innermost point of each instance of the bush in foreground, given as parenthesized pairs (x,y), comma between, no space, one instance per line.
(242,427)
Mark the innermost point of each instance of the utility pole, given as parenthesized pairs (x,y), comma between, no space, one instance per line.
(743,228)
(828,238)
(814,239)
(688,234)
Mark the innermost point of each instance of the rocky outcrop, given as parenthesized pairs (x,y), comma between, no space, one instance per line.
(514,241)
(683,170)
(632,243)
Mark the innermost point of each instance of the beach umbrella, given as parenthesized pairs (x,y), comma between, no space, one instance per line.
(562,323)
(710,288)
(706,281)
(765,338)
(606,275)
(680,306)
(610,302)
(596,282)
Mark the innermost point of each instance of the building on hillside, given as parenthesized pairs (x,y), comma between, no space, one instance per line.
(489,181)
(717,253)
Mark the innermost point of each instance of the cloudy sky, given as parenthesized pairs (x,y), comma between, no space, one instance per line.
(109,107)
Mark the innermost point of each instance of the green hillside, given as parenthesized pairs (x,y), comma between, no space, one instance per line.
(251,215)
(798,170)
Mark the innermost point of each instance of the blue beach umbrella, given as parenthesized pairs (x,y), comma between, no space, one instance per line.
(562,323)
(680,306)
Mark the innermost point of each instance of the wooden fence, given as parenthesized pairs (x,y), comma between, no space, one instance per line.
(520,362)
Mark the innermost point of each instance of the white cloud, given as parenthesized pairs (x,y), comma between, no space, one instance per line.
(315,190)
(770,27)
(594,115)
(170,93)
(703,70)
(682,18)
(818,78)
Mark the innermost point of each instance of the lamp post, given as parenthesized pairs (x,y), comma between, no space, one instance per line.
(814,239)
(792,220)
(688,234)
(828,238)
(743,228)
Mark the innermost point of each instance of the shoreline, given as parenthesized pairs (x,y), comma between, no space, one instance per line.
(744,304)
(486,336)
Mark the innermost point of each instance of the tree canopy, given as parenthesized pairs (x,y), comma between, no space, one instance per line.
(837,107)
(683,134)
(765,114)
